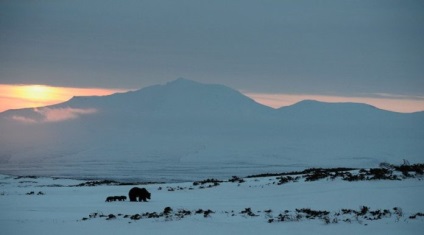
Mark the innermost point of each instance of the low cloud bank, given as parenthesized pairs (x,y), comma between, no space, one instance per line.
(55,115)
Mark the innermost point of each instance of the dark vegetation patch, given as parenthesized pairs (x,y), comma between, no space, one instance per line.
(384,172)
(360,216)
(248,212)
(236,179)
(416,215)
(111,183)
(312,214)
(408,169)
(215,182)
(363,215)
(33,193)
(167,214)
(27,182)
(363,174)
(205,184)
(287,179)
(53,186)
(306,171)
(26,177)
(177,188)
(96,183)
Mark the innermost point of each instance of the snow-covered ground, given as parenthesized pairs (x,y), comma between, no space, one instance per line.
(71,210)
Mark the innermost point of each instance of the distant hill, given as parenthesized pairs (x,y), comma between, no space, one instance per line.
(185,129)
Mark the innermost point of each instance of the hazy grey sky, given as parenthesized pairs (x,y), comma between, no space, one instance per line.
(351,48)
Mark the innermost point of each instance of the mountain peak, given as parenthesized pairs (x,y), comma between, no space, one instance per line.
(180,97)
(315,104)
(183,81)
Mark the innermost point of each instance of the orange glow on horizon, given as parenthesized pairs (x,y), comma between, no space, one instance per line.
(31,96)
(402,105)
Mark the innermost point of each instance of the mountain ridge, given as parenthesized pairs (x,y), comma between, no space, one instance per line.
(178,84)
(203,129)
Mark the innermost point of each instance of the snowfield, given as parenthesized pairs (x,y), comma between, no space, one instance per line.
(245,206)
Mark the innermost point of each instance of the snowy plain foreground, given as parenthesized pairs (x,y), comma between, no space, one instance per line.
(256,206)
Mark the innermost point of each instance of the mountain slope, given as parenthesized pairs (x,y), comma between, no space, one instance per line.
(176,97)
(185,129)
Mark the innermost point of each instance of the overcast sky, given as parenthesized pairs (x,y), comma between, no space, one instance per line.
(345,48)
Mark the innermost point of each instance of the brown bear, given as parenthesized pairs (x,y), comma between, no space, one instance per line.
(141,193)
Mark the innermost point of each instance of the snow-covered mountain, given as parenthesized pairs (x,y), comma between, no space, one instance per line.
(185,129)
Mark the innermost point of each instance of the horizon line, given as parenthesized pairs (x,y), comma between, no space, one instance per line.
(56,95)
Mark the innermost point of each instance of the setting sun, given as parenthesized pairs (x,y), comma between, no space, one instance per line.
(30,96)
(37,92)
